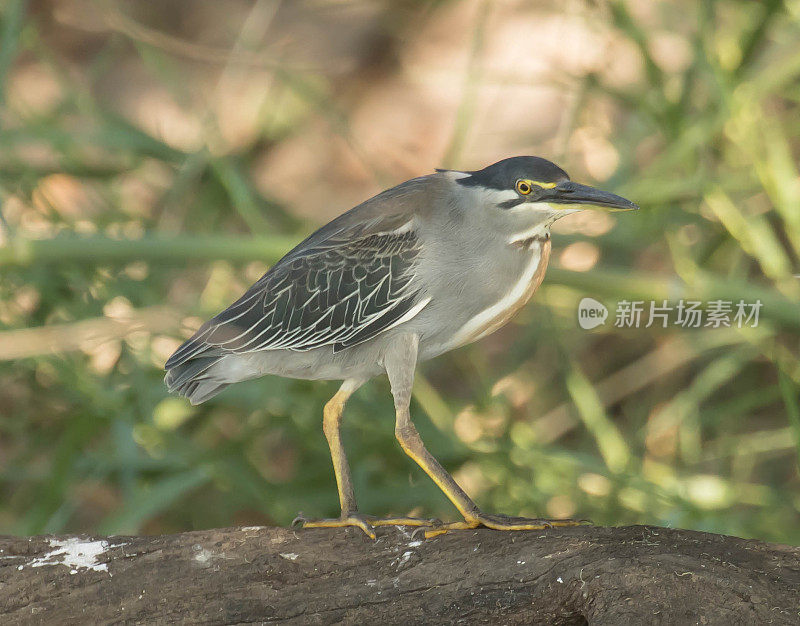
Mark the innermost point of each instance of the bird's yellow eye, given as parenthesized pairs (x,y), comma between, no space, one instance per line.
(523,187)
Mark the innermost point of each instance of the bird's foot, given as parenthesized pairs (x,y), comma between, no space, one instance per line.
(348,519)
(501,522)
(404,521)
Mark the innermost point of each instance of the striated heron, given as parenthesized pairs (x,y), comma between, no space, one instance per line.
(422,268)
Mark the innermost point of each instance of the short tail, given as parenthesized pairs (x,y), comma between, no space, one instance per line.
(193,377)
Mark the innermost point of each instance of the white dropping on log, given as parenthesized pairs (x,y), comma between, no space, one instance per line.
(75,553)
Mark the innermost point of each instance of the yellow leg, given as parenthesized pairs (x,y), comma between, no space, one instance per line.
(331,425)
(400,366)
(412,445)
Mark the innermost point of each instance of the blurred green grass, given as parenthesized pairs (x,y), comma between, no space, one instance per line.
(702,431)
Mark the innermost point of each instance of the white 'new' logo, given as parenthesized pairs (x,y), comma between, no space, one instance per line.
(591,313)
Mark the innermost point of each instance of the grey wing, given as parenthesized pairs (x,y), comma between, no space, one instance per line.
(339,292)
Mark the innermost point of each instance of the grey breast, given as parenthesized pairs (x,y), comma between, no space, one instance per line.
(467,264)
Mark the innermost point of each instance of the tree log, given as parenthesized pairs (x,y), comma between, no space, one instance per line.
(584,575)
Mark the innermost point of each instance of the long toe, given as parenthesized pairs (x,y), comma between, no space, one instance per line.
(440,529)
(404,521)
(500,522)
(352,519)
(508,522)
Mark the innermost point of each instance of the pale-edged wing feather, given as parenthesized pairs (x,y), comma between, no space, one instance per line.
(342,286)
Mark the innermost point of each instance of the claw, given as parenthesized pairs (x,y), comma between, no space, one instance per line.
(300,519)
(423,530)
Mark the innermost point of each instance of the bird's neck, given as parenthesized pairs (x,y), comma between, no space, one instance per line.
(527,239)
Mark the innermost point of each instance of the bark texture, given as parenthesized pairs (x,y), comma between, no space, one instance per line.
(585,575)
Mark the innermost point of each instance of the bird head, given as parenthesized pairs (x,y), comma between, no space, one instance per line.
(532,190)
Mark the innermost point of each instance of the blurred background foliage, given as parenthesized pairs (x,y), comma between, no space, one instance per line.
(155,157)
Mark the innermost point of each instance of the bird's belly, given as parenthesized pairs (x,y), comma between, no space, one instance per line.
(361,361)
(489,319)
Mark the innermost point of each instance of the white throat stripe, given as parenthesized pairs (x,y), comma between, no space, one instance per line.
(487,315)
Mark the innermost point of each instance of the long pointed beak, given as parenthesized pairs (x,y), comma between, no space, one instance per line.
(577,196)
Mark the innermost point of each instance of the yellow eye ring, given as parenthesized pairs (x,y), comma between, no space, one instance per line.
(523,187)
